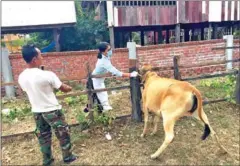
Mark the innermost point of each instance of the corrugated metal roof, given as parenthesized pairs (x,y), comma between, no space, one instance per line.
(32,13)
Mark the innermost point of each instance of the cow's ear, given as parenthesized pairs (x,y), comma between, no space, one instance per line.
(145,68)
(145,76)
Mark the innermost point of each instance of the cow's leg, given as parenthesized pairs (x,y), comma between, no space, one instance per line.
(168,125)
(145,110)
(155,121)
(213,133)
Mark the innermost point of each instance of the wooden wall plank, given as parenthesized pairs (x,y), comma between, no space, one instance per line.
(229,10)
(223,11)
(236,9)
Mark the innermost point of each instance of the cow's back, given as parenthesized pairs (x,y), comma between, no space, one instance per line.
(161,89)
(155,90)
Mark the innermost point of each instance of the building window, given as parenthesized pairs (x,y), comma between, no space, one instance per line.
(144,3)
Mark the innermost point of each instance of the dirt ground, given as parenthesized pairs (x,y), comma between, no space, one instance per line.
(128,148)
(27,124)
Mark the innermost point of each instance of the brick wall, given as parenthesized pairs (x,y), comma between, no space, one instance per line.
(190,53)
(70,64)
(73,64)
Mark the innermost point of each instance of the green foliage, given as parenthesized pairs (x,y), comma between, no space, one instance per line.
(58,92)
(40,39)
(75,100)
(70,100)
(104,118)
(236,34)
(227,84)
(17,112)
(86,34)
(3,44)
(83,120)
(14,43)
(78,87)
(18,42)
(136,37)
(83,36)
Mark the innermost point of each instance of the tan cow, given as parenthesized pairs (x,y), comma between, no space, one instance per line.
(172,99)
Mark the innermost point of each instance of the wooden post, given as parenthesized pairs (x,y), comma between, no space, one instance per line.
(192,35)
(202,33)
(123,39)
(90,97)
(177,74)
(210,31)
(186,35)
(167,36)
(155,41)
(237,90)
(181,11)
(214,31)
(120,39)
(102,10)
(134,84)
(177,33)
(56,39)
(111,35)
(116,36)
(142,38)
(130,36)
(231,30)
(160,38)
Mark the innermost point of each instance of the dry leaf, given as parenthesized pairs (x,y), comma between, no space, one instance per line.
(83,145)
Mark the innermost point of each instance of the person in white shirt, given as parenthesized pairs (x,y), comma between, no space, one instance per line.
(103,66)
(39,86)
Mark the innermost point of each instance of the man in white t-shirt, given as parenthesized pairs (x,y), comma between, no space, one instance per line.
(39,86)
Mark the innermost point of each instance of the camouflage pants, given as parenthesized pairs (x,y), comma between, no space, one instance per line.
(44,123)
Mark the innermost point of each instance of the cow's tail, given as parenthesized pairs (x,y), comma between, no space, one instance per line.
(202,116)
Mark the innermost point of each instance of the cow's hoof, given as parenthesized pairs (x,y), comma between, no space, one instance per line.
(153,156)
(142,135)
(153,133)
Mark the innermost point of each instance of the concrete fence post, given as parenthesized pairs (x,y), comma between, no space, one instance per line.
(7,72)
(229,52)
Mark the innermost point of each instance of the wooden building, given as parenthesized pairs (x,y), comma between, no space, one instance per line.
(171,21)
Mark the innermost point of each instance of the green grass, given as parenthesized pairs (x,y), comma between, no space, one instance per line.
(216,88)
(19,109)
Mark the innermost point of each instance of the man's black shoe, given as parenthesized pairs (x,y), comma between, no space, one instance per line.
(70,159)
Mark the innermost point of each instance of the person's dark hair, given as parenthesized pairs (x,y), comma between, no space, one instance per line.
(29,52)
(102,47)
